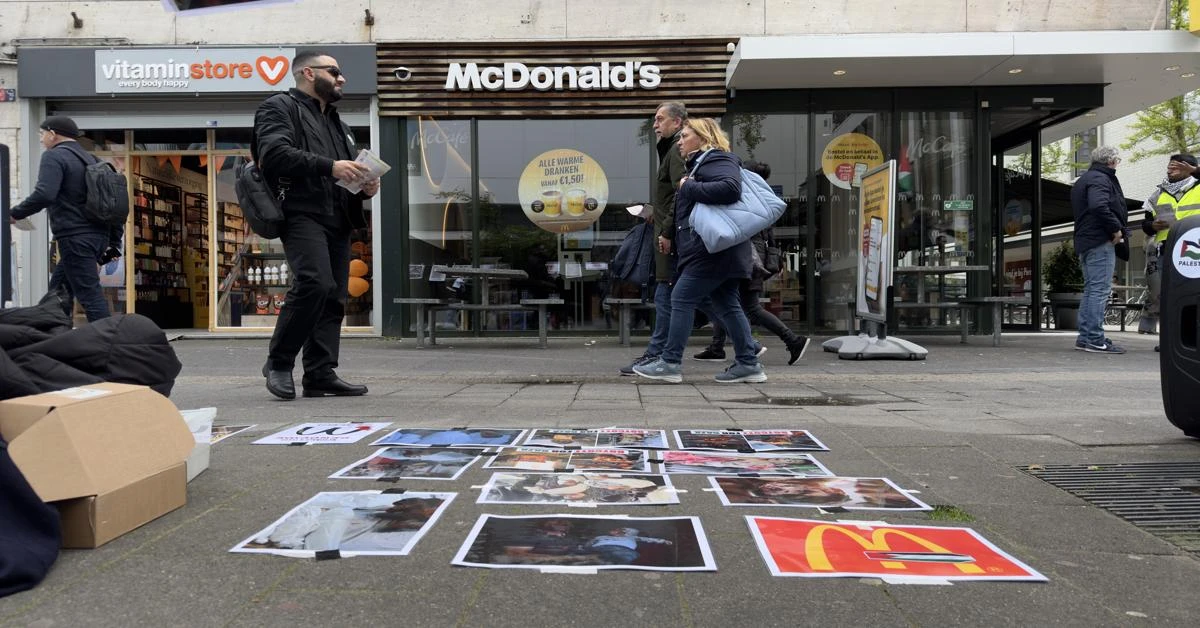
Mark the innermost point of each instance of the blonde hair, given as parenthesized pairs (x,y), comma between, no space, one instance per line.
(711,135)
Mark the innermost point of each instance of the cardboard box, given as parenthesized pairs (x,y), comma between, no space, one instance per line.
(111,457)
(200,422)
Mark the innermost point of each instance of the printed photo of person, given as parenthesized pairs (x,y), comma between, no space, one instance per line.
(562,438)
(609,460)
(783,440)
(464,437)
(715,463)
(364,522)
(221,432)
(542,459)
(632,439)
(592,488)
(534,542)
(530,459)
(826,492)
(416,463)
(711,439)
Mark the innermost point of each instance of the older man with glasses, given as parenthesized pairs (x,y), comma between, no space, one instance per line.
(1100,225)
(303,148)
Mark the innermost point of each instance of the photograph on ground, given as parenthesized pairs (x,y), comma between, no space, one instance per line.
(713,463)
(748,441)
(354,523)
(628,438)
(598,489)
(821,492)
(322,434)
(221,432)
(454,437)
(411,463)
(823,549)
(558,541)
(544,459)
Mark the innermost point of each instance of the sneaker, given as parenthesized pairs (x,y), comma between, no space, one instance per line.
(710,355)
(645,359)
(1156,348)
(1106,347)
(796,350)
(661,370)
(1080,345)
(742,373)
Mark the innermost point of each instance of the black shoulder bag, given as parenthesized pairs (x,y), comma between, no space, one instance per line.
(262,207)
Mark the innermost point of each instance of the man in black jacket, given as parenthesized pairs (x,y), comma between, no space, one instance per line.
(62,190)
(303,164)
(1100,216)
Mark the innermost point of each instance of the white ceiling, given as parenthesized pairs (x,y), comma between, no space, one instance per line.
(1131,64)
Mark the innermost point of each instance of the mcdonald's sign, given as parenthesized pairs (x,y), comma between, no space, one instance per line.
(810,548)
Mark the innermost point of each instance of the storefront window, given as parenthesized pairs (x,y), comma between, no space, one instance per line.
(170,139)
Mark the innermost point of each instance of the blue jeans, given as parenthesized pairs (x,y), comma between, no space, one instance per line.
(1098,264)
(616,554)
(689,292)
(662,318)
(78,272)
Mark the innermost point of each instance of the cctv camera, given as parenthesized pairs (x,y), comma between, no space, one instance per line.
(730,47)
(402,73)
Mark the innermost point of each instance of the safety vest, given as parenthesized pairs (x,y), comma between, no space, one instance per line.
(1165,206)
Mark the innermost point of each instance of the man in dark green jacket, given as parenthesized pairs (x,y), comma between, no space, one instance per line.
(668,120)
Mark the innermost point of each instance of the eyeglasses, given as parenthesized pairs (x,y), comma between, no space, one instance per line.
(333,70)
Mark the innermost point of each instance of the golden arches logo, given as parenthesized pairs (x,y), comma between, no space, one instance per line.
(818,560)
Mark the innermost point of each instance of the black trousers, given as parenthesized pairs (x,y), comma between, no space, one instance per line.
(318,254)
(76,272)
(757,315)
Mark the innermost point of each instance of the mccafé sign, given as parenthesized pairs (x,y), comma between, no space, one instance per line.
(516,76)
(190,70)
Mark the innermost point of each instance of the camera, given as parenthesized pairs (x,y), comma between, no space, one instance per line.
(402,73)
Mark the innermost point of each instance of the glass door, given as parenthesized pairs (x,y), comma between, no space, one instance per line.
(1016,182)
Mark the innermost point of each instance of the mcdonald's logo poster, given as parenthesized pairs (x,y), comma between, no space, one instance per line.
(823,549)
(322,433)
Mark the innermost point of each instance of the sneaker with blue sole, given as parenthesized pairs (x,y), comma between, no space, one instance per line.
(739,373)
(660,370)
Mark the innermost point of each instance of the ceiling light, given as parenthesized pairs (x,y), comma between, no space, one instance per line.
(839,72)
(1015,71)
(1187,75)
(1171,68)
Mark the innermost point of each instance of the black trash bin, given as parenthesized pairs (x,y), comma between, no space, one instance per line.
(1179,355)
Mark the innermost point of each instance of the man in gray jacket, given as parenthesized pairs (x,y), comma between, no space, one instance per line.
(668,121)
(62,191)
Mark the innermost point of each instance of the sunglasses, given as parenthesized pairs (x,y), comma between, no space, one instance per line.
(333,70)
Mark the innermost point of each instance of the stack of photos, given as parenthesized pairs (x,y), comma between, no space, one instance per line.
(598,489)
(411,463)
(221,432)
(454,437)
(354,523)
(322,434)
(542,459)
(916,554)
(712,463)
(557,541)
(749,441)
(825,492)
(624,438)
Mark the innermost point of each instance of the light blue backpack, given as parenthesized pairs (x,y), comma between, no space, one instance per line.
(723,226)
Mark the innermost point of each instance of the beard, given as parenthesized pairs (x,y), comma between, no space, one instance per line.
(327,90)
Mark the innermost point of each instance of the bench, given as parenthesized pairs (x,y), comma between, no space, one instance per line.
(526,305)
(1124,308)
(423,314)
(625,312)
(997,304)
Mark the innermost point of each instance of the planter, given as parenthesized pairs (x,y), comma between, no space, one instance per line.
(1065,306)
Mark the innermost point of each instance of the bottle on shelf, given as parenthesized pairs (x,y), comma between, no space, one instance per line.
(283,273)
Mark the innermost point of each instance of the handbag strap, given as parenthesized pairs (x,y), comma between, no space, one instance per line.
(698,160)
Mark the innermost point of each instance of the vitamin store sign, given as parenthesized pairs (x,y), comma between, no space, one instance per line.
(193,70)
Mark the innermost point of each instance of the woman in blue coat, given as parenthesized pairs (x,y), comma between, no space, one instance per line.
(714,178)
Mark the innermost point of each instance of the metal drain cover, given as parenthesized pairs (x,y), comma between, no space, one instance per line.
(1162,498)
(824,400)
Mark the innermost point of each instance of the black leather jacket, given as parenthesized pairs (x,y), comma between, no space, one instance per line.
(300,160)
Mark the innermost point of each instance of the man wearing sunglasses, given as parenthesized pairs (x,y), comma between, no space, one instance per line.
(303,149)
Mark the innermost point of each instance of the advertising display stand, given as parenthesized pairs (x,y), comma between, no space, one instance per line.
(1179,354)
(876,219)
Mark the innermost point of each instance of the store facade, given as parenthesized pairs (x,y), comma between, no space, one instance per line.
(177,122)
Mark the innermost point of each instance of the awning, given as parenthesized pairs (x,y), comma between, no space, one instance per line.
(1138,68)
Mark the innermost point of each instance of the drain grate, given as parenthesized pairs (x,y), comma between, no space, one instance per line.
(824,400)
(1162,498)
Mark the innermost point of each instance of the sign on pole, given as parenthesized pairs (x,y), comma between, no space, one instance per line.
(876,200)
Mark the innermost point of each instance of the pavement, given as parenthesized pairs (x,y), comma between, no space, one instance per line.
(955,427)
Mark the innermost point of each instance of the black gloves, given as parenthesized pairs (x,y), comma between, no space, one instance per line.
(111,253)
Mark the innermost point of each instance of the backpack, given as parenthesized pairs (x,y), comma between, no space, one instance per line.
(262,207)
(107,191)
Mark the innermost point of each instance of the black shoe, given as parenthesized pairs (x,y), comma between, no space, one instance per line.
(279,383)
(710,355)
(333,386)
(797,348)
(1156,348)
(645,359)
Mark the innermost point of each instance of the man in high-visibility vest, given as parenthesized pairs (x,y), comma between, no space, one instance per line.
(1178,196)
